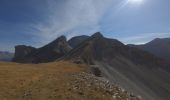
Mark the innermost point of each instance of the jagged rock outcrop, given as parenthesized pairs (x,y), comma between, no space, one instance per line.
(47,53)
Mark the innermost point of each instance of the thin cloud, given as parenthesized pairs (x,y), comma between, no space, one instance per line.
(143,38)
(72,17)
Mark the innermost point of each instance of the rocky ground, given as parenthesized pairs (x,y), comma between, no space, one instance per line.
(88,83)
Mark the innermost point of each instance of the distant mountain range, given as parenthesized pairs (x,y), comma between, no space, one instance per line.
(135,70)
(158,47)
(6,56)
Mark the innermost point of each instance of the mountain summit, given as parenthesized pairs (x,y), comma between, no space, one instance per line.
(95,47)
(97,35)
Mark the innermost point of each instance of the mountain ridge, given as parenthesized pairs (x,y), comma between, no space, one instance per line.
(6,56)
(159,47)
(135,70)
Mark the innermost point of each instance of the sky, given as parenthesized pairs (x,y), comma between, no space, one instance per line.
(37,22)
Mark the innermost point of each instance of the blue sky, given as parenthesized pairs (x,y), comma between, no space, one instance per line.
(37,22)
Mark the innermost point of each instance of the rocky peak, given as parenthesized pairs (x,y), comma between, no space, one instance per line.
(97,35)
(61,38)
(96,48)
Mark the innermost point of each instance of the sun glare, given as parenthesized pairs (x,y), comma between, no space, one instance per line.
(136,1)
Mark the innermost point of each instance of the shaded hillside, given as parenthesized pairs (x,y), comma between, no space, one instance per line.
(47,53)
(97,47)
(158,47)
(6,56)
(134,69)
(73,42)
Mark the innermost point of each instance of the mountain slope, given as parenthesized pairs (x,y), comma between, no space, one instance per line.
(158,47)
(136,70)
(47,53)
(6,56)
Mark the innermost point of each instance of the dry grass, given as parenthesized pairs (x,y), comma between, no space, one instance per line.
(50,81)
(35,81)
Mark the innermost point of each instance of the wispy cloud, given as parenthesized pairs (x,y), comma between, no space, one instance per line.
(71,17)
(143,38)
(37,22)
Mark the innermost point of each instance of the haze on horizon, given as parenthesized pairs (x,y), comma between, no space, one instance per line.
(37,22)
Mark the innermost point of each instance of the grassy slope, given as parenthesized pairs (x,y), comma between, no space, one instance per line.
(51,81)
(42,81)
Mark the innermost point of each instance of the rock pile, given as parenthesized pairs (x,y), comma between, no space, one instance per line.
(85,81)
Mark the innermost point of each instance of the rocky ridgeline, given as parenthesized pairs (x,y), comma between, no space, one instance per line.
(47,53)
(85,81)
